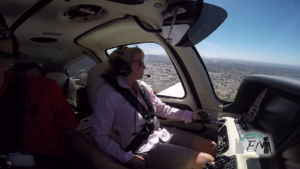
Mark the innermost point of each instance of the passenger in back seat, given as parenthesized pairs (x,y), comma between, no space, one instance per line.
(37,124)
(165,147)
(29,69)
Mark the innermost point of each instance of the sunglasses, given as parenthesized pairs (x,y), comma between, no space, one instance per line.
(142,63)
(5,34)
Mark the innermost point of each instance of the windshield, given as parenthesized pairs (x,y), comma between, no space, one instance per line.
(258,37)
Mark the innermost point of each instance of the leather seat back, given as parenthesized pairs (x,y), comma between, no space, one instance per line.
(95,81)
(61,79)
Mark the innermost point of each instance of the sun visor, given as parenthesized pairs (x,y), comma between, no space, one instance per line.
(188,23)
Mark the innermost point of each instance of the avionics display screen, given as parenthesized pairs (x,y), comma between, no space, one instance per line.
(277,114)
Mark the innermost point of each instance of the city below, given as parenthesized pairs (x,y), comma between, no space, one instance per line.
(226,75)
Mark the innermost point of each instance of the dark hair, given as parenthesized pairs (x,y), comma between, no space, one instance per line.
(13,38)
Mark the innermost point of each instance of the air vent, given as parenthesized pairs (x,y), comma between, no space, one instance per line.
(43,40)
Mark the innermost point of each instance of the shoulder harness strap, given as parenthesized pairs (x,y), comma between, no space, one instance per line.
(129,96)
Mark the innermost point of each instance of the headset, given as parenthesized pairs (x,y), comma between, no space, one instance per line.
(122,67)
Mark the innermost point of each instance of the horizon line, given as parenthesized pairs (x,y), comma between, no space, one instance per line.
(208,57)
(285,64)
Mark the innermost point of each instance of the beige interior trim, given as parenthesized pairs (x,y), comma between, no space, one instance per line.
(13,9)
(51,19)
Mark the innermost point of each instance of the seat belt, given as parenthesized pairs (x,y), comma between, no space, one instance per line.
(133,100)
(66,87)
(11,114)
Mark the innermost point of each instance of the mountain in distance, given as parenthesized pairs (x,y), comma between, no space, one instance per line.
(208,60)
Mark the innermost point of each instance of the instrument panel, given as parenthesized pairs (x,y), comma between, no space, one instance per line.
(275,112)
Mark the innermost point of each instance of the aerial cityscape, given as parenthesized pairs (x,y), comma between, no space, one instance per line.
(226,75)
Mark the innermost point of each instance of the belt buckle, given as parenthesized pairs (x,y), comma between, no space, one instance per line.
(5,161)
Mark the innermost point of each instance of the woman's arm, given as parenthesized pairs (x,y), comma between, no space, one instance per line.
(166,111)
(102,120)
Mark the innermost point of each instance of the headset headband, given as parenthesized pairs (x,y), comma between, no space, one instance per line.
(13,38)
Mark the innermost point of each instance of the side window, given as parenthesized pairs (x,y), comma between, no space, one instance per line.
(79,70)
(237,50)
(163,79)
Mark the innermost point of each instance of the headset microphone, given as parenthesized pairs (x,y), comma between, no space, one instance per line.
(148,75)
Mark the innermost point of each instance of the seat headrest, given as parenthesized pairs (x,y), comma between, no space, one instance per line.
(61,78)
(95,80)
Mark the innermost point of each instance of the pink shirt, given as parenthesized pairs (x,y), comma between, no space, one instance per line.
(112,111)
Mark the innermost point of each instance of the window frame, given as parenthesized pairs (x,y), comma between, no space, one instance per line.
(75,62)
(162,96)
(207,74)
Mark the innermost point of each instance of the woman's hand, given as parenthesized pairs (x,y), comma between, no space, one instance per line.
(137,162)
(195,116)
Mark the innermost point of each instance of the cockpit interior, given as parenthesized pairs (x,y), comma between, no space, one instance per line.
(71,40)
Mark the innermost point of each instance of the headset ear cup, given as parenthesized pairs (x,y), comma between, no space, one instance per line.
(122,67)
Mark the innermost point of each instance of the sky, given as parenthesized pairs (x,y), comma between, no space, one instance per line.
(255,30)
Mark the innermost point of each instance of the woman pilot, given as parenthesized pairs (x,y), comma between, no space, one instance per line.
(165,147)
